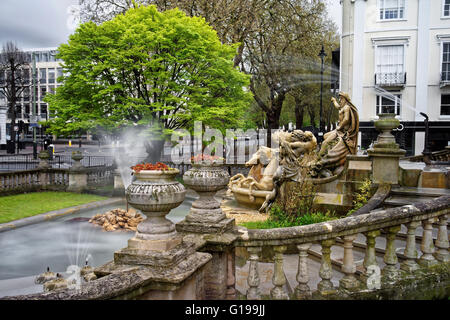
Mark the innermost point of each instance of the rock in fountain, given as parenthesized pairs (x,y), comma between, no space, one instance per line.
(118,219)
(45,277)
(55,284)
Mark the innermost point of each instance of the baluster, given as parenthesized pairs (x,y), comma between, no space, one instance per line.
(410,253)
(427,259)
(371,276)
(442,240)
(325,286)
(370,256)
(253,274)
(390,272)
(302,291)
(349,281)
(279,279)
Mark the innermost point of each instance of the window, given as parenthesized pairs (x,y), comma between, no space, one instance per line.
(389,103)
(446,10)
(26,94)
(52,57)
(43,111)
(392,9)
(59,73)
(445,73)
(44,56)
(18,111)
(445,105)
(389,65)
(51,75)
(43,92)
(43,75)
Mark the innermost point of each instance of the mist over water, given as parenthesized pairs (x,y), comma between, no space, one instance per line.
(130,149)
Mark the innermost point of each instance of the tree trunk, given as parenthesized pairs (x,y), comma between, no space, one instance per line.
(154,150)
(299,113)
(12,106)
(273,117)
(312,116)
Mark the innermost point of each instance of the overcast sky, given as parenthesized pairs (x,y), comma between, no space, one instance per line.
(44,23)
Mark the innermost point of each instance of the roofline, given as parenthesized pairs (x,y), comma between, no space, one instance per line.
(40,49)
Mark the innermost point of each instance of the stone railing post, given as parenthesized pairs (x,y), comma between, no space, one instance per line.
(43,166)
(119,188)
(43,157)
(325,286)
(390,272)
(206,220)
(253,274)
(385,153)
(442,240)
(427,247)
(77,174)
(302,291)
(279,279)
(349,281)
(410,264)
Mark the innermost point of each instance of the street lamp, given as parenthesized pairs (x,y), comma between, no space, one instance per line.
(322,56)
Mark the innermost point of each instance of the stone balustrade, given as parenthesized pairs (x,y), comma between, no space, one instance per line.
(345,230)
(50,179)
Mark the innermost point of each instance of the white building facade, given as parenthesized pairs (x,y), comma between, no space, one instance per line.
(48,70)
(395,58)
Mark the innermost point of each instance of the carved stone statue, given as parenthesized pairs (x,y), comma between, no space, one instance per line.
(340,142)
(297,157)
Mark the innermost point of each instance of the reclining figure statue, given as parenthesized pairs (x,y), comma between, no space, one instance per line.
(297,157)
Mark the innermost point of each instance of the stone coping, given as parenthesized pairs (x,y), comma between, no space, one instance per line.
(56,214)
(127,282)
(345,226)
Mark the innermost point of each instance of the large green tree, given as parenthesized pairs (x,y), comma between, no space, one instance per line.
(160,69)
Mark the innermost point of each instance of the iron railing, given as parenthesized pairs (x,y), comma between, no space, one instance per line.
(27,162)
(390,79)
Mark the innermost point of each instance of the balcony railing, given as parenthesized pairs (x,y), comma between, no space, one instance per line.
(445,78)
(397,79)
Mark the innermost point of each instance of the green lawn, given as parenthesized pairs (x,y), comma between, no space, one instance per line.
(30,204)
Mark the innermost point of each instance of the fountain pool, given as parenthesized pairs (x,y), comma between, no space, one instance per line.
(27,251)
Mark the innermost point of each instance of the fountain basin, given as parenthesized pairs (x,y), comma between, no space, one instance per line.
(244,198)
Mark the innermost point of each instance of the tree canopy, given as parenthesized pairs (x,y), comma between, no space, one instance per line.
(279,42)
(14,79)
(148,67)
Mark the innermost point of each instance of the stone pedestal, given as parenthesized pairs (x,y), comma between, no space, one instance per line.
(43,157)
(206,216)
(77,181)
(385,153)
(174,274)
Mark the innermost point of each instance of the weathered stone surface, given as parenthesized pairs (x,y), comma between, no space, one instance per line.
(128,282)
(348,225)
(153,258)
(222,226)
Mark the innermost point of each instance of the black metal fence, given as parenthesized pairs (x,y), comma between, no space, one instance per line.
(27,162)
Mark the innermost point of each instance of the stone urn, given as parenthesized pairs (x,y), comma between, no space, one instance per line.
(385,124)
(206,178)
(43,157)
(77,156)
(155,193)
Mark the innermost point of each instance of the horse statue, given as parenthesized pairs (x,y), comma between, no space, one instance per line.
(259,181)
